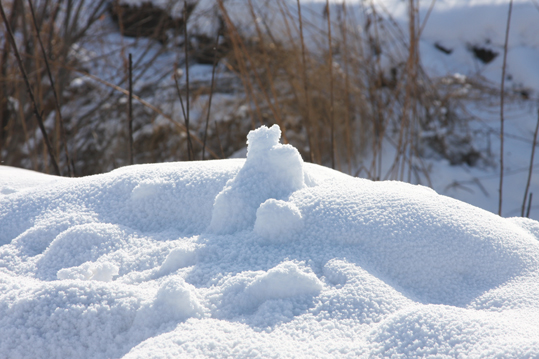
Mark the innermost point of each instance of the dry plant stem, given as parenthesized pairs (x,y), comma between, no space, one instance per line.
(426,18)
(346,89)
(529,205)
(402,144)
(415,95)
(242,67)
(274,106)
(531,166)
(287,25)
(30,93)
(331,114)
(242,49)
(501,104)
(56,100)
(175,76)
(305,86)
(376,103)
(130,110)
(186,45)
(211,94)
(4,88)
(157,110)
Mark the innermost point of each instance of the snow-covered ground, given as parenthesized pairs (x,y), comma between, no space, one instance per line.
(273,257)
(258,258)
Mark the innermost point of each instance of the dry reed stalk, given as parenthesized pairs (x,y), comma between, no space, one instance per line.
(179,127)
(53,87)
(344,30)
(274,107)
(190,153)
(130,110)
(30,93)
(178,91)
(305,87)
(501,104)
(243,51)
(242,67)
(331,111)
(531,166)
(211,94)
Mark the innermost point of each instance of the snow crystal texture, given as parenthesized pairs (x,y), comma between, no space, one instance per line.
(263,257)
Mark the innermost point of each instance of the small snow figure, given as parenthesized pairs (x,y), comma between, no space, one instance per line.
(272,170)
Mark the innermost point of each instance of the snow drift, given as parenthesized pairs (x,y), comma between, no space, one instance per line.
(263,257)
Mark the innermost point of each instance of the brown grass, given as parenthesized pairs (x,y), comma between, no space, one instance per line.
(322,81)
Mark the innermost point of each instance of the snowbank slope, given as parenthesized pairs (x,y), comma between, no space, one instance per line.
(267,257)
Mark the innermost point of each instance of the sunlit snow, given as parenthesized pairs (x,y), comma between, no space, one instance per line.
(263,257)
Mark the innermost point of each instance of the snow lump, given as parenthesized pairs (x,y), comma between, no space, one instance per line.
(272,170)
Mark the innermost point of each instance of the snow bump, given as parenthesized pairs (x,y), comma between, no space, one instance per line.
(277,220)
(272,170)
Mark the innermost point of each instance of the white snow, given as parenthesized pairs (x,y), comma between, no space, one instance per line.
(277,220)
(256,258)
(272,170)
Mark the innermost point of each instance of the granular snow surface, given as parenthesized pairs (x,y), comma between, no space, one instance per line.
(261,258)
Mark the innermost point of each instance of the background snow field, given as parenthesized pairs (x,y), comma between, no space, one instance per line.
(264,257)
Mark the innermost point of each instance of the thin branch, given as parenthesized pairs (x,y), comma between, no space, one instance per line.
(211,94)
(186,45)
(501,104)
(274,107)
(305,86)
(531,166)
(331,114)
(175,76)
(426,18)
(179,126)
(56,100)
(529,205)
(30,92)
(130,110)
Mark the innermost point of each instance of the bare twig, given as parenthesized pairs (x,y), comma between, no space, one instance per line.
(239,44)
(145,103)
(344,31)
(501,104)
(186,45)
(331,114)
(305,85)
(130,109)
(531,165)
(56,100)
(426,18)
(274,107)
(211,94)
(529,205)
(175,76)
(30,93)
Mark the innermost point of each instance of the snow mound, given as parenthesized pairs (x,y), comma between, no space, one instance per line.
(263,257)
(272,170)
(283,281)
(77,245)
(177,299)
